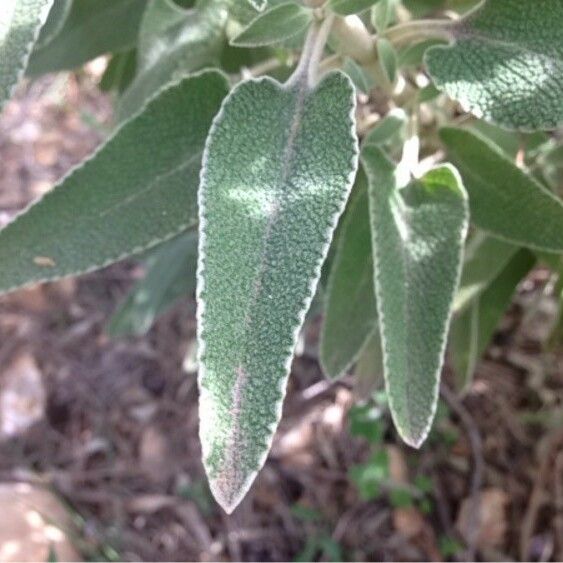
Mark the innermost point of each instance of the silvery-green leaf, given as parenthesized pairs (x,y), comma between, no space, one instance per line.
(171,274)
(473,329)
(418,233)
(504,200)
(279,163)
(382,14)
(119,72)
(55,21)
(350,310)
(139,189)
(388,59)
(363,81)
(92,28)
(368,373)
(347,7)
(485,258)
(385,130)
(274,25)
(173,43)
(506,64)
(20,23)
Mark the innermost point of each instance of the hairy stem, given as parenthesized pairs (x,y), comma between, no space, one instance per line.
(418,30)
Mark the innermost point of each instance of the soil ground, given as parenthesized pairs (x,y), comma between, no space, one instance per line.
(117,437)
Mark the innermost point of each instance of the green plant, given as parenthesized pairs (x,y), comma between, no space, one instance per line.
(255,103)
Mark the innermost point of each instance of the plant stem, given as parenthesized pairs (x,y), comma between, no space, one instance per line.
(417,30)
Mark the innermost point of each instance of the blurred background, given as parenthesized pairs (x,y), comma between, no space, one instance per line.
(99,450)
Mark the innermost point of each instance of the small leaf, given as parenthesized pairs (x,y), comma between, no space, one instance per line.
(136,191)
(506,64)
(258,4)
(418,233)
(382,14)
(348,7)
(92,28)
(279,164)
(385,130)
(55,21)
(20,23)
(350,310)
(361,79)
(472,331)
(485,258)
(388,59)
(173,42)
(504,200)
(171,274)
(274,26)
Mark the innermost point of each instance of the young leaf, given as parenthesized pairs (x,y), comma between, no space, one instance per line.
(136,191)
(348,7)
(171,274)
(507,63)
(473,329)
(258,4)
(388,58)
(278,167)
(20,23)
(504,200)
(274,25)
(350,310)
(92,28)
(173,42)
(418,233)
(485,258)
(387,128)
(382,14)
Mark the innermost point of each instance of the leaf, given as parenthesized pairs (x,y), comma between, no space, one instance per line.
(418,233)
(279,163)
(368,374)
(360,78)
(171,274)
(258,4)
(274,26)
(136,191)
(506,64)
(348,7)
(382,14)
(55,21)
(119,72)
(485,258)
(350,310)
(386,129)
(20,23)
(472,331)
(388,58)
(92,28)
(504,200)
(172,43)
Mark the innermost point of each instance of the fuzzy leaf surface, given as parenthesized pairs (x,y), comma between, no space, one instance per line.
(20,23)
(172,43)
(506,64)
(274,25)
(504,200)
(418,233)
(91,28)
(279,164)
(55,20)
(350,310)
(171,274)
(473,329)
(136,191)
(348,7)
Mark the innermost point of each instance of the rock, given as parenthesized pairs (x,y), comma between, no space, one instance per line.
(33,525)
(22,396)
(492,523)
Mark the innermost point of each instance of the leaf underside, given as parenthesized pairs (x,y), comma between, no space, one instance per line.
(504,200)
(418,233)
(507,63)
(350,310)
(136,191)
(20,23)
(278,167)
